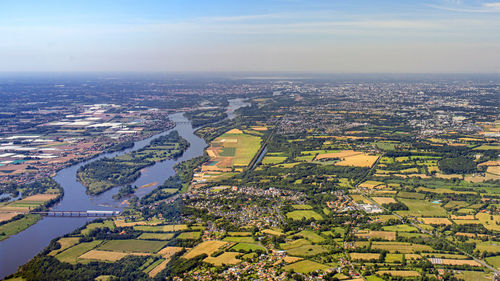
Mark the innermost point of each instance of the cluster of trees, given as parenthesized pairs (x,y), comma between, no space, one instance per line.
(28,189)
(45,267)
(457,165)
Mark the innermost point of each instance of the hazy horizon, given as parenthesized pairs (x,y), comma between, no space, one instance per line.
(281,36)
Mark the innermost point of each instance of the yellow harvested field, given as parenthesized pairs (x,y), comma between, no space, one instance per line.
(402,273)
(40,197)
(273,232)
(363,160)
(490,222)
(489,163)
(466,217)
(444,221)
(257,128)
(6,209)
(65,243)
(175,227)
(402,247)
(289,259)
(107,255)
(167,252)
(207,247)
(360,198)
(5,216)
(227,258)
(386,235)
(384,200)
(235,131)
(413,256)
(342,154)
(364,256)
(472,235)
(454,262)
(211,153)
(158,269)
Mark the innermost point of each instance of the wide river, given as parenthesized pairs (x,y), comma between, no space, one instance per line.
(20,248)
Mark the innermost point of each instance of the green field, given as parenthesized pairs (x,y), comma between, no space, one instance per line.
(400,227)
(307,250)
(475,276)
(410,195)
(91,226)
(294,244)
(489,246)
(495,261)
(246,147)
(247,247)
(391,258)
(401,247)
(311,236)
(302,207)
(273,160)
(228,151)
(306,266)
(373,278)
(239,239)
(132,246)
(189,235)
(422,208)
(307,214)
(17,226)
(71,255)
(239,233)
(305,158)
(156,236)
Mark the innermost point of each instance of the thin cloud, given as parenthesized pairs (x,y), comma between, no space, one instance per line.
(490,7)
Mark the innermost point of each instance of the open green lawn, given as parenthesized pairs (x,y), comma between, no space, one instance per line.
(306,266)
(17,226)
(422,208)
(71,255)
(132,245)
(308,214)
(247,247)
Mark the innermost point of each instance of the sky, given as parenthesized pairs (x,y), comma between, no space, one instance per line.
(309,36)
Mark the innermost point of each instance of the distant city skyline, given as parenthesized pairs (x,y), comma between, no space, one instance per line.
(438,36)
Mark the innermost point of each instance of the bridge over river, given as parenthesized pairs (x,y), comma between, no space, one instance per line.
(88,213)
